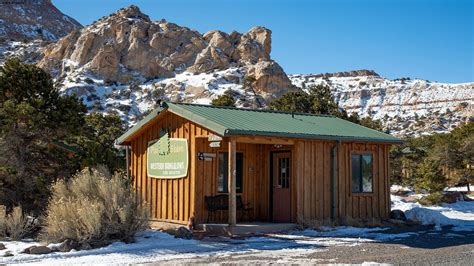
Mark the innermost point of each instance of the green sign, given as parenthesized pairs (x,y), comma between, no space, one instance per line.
(167,158)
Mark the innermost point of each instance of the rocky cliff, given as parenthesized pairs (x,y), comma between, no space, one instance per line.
(406,107)
(125,62)
(127,47)
(23,20)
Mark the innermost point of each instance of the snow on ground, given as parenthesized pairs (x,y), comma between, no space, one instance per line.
(290,247)
(460,189)
(158,246)
(460,215)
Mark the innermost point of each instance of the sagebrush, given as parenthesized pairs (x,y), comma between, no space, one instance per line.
(94,208)
(14,225)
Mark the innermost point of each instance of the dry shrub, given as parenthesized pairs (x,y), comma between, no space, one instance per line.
(3,222)
(435,198)
(14,225)
(94,208)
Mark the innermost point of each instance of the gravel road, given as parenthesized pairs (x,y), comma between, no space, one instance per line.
(427,247)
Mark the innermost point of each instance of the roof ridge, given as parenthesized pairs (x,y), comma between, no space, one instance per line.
(253,110)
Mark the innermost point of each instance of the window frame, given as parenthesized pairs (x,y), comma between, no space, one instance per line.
(362,153)
(218,168)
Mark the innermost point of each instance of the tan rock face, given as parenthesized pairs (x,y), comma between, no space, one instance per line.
(106,62)
(140,44)
(127,43)
(270,79)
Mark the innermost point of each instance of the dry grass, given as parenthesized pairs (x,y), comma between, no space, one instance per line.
(3,222)
(94,208)
(14,225)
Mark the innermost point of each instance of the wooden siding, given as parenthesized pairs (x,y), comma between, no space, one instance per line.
(176,200)
(169,199)
(255,181)
(313,162)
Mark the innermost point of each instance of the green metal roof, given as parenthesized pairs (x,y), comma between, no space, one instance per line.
(227,121)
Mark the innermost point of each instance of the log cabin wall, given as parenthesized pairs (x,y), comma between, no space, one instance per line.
(176,200)
(170,200)
(313,177)
(364,205)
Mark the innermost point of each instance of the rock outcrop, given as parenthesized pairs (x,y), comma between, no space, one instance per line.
(125,62)
(24,20)
(406,107)
(128,45)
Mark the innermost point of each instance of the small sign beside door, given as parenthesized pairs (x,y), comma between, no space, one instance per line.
(203,156)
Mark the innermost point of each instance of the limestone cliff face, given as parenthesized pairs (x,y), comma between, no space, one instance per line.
(22,20)
(127,45)
(406,107)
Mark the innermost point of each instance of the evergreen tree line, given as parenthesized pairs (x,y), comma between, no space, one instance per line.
(317,100)
(431,163)
(46,136)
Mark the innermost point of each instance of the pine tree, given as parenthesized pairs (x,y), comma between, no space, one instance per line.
(97,141)
(429,176)
(225,99)
(297,102)
(322,101)
(319,100)
(33,115)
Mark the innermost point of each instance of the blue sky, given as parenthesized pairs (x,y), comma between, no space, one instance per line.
(428,39)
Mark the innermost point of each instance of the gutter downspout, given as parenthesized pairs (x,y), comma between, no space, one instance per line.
(334,180)
(127,161)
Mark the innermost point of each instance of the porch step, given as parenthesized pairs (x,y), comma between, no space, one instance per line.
(245,228)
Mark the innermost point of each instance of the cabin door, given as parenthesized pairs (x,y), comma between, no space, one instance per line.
(281,175)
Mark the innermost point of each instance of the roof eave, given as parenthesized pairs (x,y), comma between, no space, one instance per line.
(236,132)
(124,139)
(213,126)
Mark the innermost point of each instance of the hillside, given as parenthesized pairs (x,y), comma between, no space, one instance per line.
(406,107)
(25,20)
(125,62)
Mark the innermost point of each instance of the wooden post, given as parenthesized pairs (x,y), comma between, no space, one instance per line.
(232,184)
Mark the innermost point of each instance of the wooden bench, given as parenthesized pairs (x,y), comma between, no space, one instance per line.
(221,203)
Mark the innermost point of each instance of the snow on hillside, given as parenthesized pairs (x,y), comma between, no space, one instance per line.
(132,102)
(33,19)
(29,52)
(407,107)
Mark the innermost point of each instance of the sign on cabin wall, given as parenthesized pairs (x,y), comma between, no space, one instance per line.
(167,157)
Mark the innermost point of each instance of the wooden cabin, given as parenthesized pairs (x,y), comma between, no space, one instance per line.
(282,167)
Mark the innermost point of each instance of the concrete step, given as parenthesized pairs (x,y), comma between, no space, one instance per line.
(245,228)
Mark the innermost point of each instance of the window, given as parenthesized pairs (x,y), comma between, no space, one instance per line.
(222,175)
(284,172)
(362,173)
